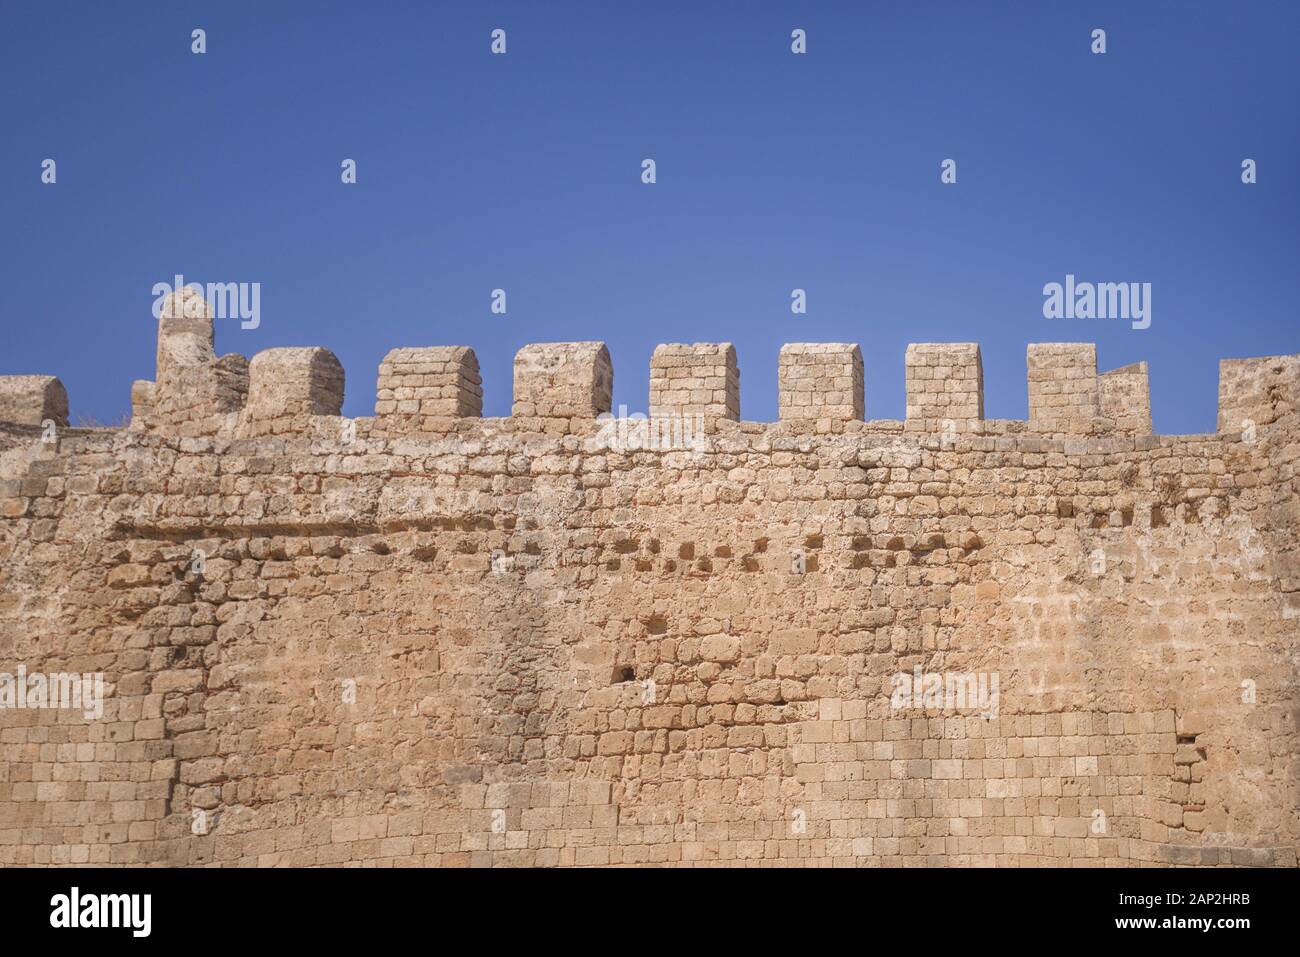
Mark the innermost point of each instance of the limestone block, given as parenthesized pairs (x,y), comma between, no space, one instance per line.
(1063,391)
(185,331)
(945,382)
(820,380)
(32,399)
(1258,391)
(294,382)
(193,389)
(1125,397)
(142,402)
(699,379)
(563,380)
(432,381)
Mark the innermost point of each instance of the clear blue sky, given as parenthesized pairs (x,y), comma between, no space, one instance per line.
(775,171)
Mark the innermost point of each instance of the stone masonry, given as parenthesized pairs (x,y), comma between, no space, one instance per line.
(700,379)
(432,638)
(820,381)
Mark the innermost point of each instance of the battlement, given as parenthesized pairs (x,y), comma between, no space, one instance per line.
(1255,392)
(561,387)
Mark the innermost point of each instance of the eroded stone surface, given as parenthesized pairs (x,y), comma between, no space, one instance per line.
(33,400)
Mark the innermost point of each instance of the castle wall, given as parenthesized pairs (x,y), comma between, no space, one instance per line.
(432,638)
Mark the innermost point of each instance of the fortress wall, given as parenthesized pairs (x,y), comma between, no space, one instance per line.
(505,642)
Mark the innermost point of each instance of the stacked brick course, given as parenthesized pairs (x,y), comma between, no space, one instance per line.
(1125,398)
(821,381)
(434,382)
(945,385)
(700,379)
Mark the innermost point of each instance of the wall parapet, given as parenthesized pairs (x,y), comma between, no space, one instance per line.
(561,381)
(1257,391)
(564,387)
(33,400)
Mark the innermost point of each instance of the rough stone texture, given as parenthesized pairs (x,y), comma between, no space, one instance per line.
(33,400)
(195,393)
(142,402)
(1257,391)
(700,379)
(1063,391)
(416,385)
(490,646)
(287,386)
(1125,398)
(565,381)
(945,384)
(820,381)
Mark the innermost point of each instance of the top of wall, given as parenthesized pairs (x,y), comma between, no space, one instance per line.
(562,388)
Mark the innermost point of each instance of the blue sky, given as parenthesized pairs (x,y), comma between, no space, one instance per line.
(775,172)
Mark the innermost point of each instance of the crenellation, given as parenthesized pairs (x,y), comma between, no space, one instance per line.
(142,403)
(945,386)
(289,386)
(1063,390)
(824,380)
(1257,392)
(186,335)
(195,392)
(701,379)
(419,386)
(562,382)
(33,400)
(1124,397)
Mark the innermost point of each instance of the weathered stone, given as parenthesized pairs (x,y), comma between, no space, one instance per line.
(700,379)
(821,380)
(563,380)
(33,400)
(945,384)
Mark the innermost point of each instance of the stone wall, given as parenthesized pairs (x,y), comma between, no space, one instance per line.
(432,638)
